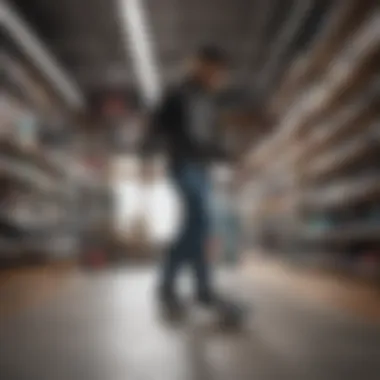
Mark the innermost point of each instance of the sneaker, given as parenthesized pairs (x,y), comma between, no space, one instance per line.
(171,305)
(207,299)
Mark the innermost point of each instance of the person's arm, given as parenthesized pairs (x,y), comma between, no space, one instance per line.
(155,131)
(158,131)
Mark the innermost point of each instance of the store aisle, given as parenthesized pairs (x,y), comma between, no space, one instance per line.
(105,326)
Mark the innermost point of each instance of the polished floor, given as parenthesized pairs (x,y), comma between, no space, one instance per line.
(105,326)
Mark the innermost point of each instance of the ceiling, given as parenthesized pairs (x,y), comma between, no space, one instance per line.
(86,36)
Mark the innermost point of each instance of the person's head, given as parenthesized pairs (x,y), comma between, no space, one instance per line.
(210,67)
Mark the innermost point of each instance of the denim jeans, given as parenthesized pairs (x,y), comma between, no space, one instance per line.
(192,182)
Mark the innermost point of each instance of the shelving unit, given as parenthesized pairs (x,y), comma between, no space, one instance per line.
(40,193)
(327,141)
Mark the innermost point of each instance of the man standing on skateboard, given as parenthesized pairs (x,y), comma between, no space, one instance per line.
(185,124)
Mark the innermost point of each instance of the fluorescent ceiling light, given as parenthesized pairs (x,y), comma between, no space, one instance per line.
(135,30)
(33,47)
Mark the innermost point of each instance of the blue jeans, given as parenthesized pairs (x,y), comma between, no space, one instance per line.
(193,185)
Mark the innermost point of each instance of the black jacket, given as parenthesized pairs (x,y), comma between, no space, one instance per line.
(170,131)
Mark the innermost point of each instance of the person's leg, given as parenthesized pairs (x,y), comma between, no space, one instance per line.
(175,257)
(190,246)
(177,253)
(199,228)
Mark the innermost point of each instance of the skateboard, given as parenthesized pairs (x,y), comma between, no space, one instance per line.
(231,314)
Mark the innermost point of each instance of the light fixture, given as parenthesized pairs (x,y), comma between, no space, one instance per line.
(136,34)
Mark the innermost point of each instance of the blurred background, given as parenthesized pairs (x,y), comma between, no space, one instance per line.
(83,227)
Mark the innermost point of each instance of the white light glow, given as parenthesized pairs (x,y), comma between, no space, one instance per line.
(139,45)
(158,204)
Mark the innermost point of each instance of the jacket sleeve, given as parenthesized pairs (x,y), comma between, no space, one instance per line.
(220,153)
(158,126)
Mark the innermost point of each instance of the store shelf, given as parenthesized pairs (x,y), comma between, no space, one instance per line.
(343,194)
(346,17)
(339,159)
(42,202)
(354,233)
(352,122)
(29,175)
(353,68)
(31,156)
